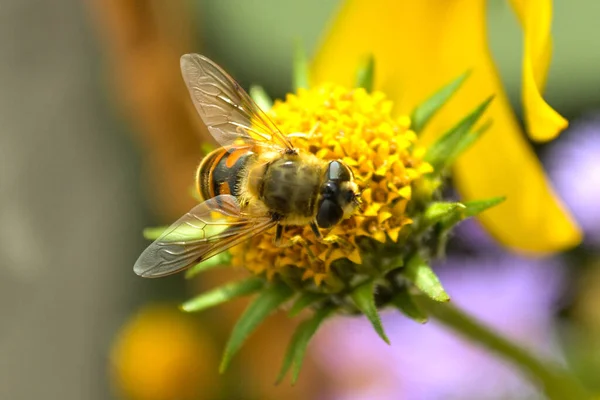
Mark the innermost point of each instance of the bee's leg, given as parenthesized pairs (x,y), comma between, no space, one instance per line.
(315,230)
(340,241)
(294,240)
(279,235)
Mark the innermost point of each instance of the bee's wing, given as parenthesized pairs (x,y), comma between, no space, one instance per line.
(226,109)
(208,229)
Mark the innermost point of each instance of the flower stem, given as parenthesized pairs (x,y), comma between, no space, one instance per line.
(554,381)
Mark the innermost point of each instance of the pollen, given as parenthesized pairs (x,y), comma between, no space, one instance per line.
(357,127)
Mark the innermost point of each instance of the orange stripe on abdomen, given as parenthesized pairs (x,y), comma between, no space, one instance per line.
(222,170)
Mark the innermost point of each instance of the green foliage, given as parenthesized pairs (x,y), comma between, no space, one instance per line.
(365,75)
(426,110)
(467,141)
(404,302)
(422,276)
(268,300)
(260,96)
(223,294)
(364,300)
(449,146)
(470,209)
(436,211)
(299,343)
(305,300)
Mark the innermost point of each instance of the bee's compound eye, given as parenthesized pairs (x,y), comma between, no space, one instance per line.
(338,171)
(329,189)
(329,214)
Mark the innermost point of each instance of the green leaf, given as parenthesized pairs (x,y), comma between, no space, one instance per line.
(363,297)
(365,75)
(467,141)
(301,75)
(424,111)
(306,299)
(223,294)
(215,261)
(423,277)
(475,207)
(294,355)
(267,302)
(404,302)
(446,148)
(436,211)
(471,209)
(260,96)
(154,233)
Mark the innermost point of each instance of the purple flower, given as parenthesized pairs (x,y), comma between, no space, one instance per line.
(573,166)
(515,296)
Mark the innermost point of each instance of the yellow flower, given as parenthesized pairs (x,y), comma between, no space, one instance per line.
(160,354)
(421,45)
(358,128)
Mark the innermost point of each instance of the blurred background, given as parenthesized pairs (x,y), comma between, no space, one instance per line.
(99,140)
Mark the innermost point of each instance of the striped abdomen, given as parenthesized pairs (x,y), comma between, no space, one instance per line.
(223,170)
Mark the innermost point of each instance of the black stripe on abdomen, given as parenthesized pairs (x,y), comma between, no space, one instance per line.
(227,180)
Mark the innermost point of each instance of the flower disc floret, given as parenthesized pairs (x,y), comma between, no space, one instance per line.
(357,127)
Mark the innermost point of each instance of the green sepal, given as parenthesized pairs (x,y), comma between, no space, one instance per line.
(223,294)
(391,264)
(449,146)
(268,300)
(294,355)
(260,96)
(364,299)
(154,232)
(427,109)
(437,211)
(471,209)
(365,75)
(306,299)
(404,302)
(467,141)
(219,260)
(422,276)
(300,74)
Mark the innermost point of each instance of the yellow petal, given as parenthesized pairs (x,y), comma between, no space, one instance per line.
(422,45)
(543,122)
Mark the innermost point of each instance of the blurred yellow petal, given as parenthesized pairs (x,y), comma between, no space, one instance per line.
(543,123)
(161,354)
(420,46)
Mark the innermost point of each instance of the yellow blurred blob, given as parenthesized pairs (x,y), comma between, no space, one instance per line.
(161,354)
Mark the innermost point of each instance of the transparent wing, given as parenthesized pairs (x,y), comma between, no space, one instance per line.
(226,109)
(208,229)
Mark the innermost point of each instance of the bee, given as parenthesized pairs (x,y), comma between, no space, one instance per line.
(256,181)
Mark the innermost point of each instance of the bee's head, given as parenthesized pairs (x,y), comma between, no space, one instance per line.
(339,195)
